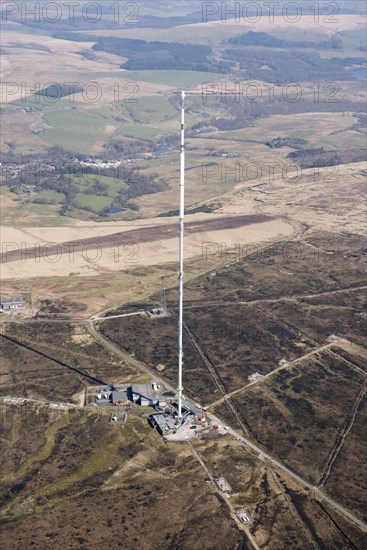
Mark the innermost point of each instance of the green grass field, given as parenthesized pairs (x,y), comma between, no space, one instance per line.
(78,130)
(43,208)
(152,109)
(142,132)
(94,202)
(85,181)
(84,200)
(97,203)
(52,197)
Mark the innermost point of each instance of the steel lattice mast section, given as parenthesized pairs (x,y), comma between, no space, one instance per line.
(181,261)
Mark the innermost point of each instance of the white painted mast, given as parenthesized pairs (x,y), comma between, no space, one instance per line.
(181,268)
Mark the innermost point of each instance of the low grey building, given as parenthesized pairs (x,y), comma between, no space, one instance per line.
(163,423)
(223,484)
(9,304)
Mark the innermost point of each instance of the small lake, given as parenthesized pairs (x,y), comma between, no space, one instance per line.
(161,150)
(112,211)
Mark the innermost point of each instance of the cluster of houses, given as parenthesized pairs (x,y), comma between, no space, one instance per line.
(100,164)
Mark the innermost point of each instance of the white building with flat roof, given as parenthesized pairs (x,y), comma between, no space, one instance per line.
(243,515)
(223,484)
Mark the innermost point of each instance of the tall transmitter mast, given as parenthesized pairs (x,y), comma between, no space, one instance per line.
(181,268)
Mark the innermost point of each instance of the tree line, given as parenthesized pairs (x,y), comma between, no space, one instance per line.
(266,40)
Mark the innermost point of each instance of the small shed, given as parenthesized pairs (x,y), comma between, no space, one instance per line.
(243,515)
(223,484)
(198,412)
